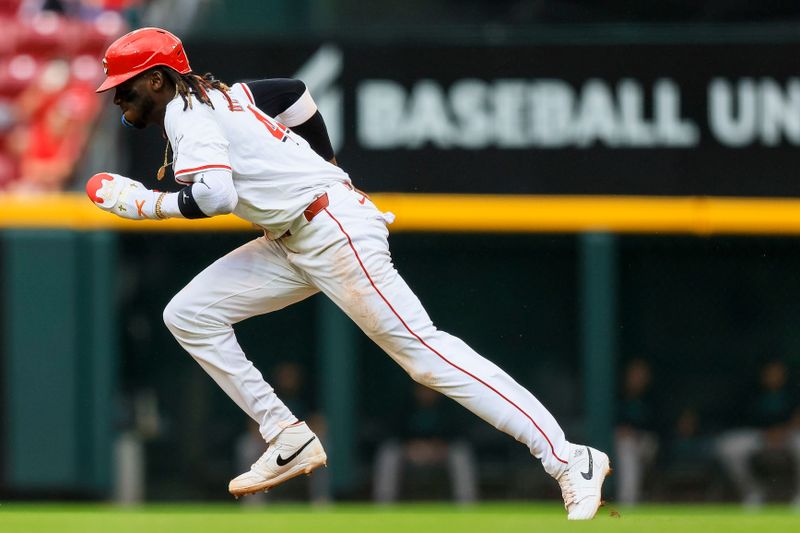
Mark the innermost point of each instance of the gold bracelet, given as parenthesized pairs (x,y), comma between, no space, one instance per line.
(160,199)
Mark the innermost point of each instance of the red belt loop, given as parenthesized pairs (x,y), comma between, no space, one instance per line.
(316,206)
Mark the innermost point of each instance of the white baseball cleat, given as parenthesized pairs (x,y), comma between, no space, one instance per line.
(296,450)
(582,482)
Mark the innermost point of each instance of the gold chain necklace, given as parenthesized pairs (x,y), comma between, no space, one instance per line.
(162,170)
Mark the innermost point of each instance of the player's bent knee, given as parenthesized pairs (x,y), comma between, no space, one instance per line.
(184,321)
(423,376)
(177,318)
(170,316)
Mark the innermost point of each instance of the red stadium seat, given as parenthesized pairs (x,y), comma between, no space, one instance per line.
(87,70)
(17,73)
(9,7)
(41,57)
(8,170)
(80,103)
(46,35)
(101,32)
(8,36)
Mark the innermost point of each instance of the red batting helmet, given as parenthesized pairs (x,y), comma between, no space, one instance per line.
(140,50)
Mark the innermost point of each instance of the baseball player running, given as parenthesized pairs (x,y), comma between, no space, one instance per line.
(261,152)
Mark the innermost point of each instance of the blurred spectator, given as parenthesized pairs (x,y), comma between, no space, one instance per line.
(288,382)
(428,439)
(771,424)
(635,439)
(688,447)
(79,9)
(56,113)
(49,68)
(688,459)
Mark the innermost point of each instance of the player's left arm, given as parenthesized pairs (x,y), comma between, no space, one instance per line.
(203,166)
(290,102)
(211,194)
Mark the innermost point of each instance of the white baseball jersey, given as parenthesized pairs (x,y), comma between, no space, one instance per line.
(275,172)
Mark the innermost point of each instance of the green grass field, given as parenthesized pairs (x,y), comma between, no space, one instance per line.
(417,518)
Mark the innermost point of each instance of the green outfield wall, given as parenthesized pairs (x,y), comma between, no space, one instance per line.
(60,351)
(83,343)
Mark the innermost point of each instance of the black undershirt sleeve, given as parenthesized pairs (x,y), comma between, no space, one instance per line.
(314,131)
(274,96)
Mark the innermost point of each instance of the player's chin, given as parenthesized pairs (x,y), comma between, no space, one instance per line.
(133,119)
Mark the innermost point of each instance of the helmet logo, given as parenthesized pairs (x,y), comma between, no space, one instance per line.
(105,66)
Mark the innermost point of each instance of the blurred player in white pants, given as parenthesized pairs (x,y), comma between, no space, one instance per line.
(771,423)
(635,439)
(321,235)
(429,437)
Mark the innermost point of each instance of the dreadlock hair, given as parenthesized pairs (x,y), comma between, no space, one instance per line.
(191,84)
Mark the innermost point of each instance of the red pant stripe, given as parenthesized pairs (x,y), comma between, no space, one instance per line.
(443,358)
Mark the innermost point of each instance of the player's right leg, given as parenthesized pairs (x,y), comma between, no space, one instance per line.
(344,251)
(252,280)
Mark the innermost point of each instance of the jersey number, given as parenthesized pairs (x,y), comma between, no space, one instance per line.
(276,129)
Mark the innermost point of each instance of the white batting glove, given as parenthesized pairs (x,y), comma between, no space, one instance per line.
(122,196)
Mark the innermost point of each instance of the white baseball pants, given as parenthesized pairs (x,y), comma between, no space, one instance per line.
(344,253)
